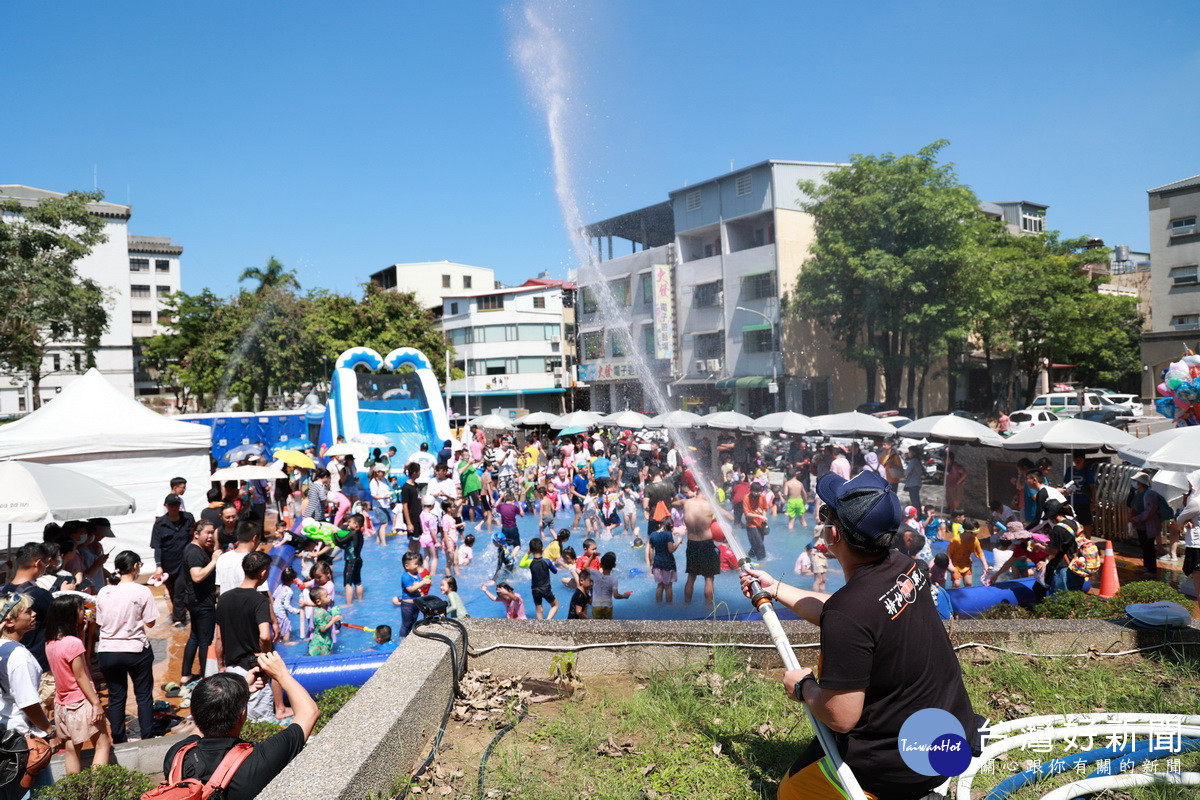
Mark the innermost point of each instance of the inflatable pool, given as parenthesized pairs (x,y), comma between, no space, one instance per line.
(318,673)
(971,601)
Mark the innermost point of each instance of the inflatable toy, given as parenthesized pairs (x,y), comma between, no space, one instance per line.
(1180,390)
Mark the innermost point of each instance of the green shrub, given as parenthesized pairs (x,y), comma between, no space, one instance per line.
(1075,605)
(330,702)
(1005,611)
(1149,592)
(102,782)
(259,731)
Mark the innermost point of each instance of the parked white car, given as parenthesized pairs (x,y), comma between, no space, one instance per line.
(1066,404)
(1022,420)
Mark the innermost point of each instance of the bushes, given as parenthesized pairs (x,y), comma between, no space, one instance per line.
(102,782)
(329,702)
(1005,611)
(1149,592)
(1075,605)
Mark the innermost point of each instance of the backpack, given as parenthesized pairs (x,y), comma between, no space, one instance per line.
(175,787)
(1087,557)
(1165,512)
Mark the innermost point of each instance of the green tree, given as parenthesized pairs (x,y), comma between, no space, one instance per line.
(273,276)
(189,359)
(890,274)
(1042,305)
(45,302)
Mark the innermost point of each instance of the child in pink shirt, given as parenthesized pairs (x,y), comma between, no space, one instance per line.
(514,606)
(78,713)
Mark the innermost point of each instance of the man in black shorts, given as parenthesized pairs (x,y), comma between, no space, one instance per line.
(410,506)
(885,655)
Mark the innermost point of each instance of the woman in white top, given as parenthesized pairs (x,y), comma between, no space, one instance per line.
(124,612)
(20,706)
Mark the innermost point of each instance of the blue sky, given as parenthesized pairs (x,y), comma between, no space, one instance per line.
(344,137)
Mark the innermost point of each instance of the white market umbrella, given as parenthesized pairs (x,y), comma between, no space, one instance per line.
(359,451)
(950,429)
(492,422)
(250,472)
(537,418)
(578,419)
(727,420)
(1170,485)
(30,492)
(1176,449)
(783,422)
(676,419)
(852,423)
(1070,436)
(626,419)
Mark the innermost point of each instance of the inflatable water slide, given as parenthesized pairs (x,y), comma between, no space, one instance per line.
(396,396)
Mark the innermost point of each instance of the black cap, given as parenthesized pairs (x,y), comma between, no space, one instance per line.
(173,499)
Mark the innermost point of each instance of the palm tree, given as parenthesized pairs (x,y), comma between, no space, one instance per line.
(275,276)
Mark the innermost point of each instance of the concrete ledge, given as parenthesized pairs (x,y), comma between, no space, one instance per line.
(144,756)
(380,734)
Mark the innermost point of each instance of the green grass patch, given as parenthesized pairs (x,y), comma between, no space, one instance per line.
(728,731)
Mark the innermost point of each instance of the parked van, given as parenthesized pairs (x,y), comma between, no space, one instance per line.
(1065,404)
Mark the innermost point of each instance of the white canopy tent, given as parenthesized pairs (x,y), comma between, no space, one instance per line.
(95,430)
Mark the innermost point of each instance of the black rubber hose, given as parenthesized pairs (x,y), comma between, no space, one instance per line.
(454,695)
(496,740)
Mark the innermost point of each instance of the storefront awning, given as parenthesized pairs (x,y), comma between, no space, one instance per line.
(745,382)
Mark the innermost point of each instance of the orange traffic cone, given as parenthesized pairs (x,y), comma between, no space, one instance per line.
(1109,584)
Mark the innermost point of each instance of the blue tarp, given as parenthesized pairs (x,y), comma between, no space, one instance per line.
(269,428)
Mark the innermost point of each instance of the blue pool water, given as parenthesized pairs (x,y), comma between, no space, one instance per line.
(382,568)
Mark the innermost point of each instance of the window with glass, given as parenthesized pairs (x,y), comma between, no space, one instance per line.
(162,265)
(620,291)
(593,345)
(466,281)
(648,340)
(1182,276)
(445,281)
(759,340)
(710,345)
(1186,321)
(491,302)
(454,308)
(1183,226)
(589,300)
(708,295)
(163,291)
(461,336)
(137,290)
(759,286)
(139,265)
(141,317)
(646,287)
(618,344)
(539,302)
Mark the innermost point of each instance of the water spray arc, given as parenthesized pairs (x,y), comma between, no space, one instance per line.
(541,54)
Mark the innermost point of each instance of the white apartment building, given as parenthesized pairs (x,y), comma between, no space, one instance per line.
(108,265)
(430,281)
(154,275)
(515,345)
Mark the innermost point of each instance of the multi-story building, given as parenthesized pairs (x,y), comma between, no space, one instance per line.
(1019,216)
(1129,275)
(154,275)
(107,264)
(430,281)
(515,346)
(1174,277)
(702,297)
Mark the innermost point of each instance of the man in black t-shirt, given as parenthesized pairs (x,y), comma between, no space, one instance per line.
(198,590)
(410,506)
(244,631)
(169,538)
(885,654)
(631,467)
(219,708)
(29,565)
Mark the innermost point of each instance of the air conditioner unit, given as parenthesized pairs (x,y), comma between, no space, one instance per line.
(713,364)
(556,339)
(700,365)
(558,371)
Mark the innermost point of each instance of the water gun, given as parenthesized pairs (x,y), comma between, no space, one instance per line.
(321,531)
(358,627)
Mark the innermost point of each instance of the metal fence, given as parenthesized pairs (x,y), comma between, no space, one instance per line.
(1109,506)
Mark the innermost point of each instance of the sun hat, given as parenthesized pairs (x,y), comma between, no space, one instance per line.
(1015,532)
(1142,478)
(865,505)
